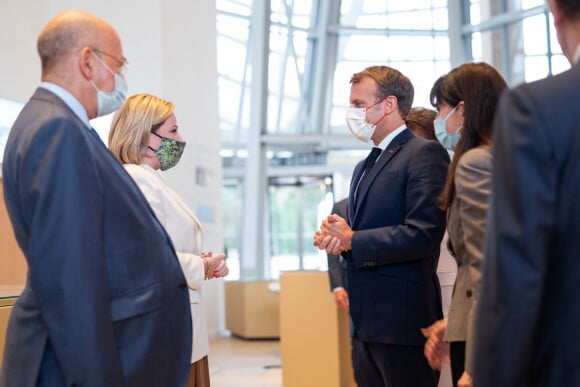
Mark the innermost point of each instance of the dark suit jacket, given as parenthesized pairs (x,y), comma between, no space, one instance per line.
(528,313)
(393,285)
(106,302)
(336,263)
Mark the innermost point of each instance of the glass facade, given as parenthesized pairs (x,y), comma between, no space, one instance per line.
(313,47)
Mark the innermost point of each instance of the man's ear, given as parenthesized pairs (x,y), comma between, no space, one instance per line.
(391,103)
(87,63)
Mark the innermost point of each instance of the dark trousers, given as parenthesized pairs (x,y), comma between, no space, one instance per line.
(457,357)
(388,365)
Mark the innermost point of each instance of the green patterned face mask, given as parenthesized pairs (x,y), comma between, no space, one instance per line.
(169,152)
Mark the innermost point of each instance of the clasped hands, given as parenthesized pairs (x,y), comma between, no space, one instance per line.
(334,235)
(217,266)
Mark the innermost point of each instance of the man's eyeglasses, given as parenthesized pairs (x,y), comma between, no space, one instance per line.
(123,63)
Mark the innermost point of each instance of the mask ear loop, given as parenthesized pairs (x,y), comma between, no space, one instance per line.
(380,119)
(161,137)
(375,104)
(451,112)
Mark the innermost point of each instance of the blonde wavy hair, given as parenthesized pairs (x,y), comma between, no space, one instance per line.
(133,123)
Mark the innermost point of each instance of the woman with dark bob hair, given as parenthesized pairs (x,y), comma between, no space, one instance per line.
(466,99)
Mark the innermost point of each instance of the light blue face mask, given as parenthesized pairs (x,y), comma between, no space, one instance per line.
(449,141)
(110,101)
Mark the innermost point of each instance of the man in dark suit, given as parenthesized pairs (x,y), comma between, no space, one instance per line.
(528,313)
(337,266)
(106,302)
(392,237)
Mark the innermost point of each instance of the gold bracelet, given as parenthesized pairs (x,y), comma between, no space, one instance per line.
(205,267)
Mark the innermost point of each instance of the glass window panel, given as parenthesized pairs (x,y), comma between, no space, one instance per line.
(440,68)
(285,119)
(371,48)
(233,106)
(374,6)
(476,51)
(371,21)
(229,96)
(488,9)
(421,57)
(400,47)
(290,204)
(231,58)
(303,8)
(342,77)
(338,121)
(534,35)
(345,6)
(404,21)
(527,4)
(231,204)
(441,48)
(474,13)
(440,19)
(278,39)
(240,7)
(300,41)
(422,75)
(299,12)
(536,67)
(408,5)
(422,20)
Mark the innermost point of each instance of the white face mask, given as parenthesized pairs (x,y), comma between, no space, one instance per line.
(109,101)
(357,123)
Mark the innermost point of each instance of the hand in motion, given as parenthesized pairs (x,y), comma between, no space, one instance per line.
(436,350)
(341,298)
(217,265)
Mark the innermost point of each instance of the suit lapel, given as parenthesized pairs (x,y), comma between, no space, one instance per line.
(386,156)
(356,175)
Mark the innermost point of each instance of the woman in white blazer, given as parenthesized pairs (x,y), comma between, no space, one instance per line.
(466,99)
(144,137)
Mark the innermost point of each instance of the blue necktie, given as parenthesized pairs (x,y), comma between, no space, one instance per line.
(370,162)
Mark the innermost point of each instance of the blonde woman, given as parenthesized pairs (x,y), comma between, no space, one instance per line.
(145,138)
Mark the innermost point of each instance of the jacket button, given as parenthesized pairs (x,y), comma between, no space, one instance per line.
(468,293)
(182,286)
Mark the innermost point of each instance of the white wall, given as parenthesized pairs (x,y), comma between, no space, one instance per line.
(170,45)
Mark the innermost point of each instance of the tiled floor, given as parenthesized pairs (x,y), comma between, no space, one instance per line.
(236,362)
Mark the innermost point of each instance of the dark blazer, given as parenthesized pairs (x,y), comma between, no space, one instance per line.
(393,286)
(336,263)
(106,302)
(528,313)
